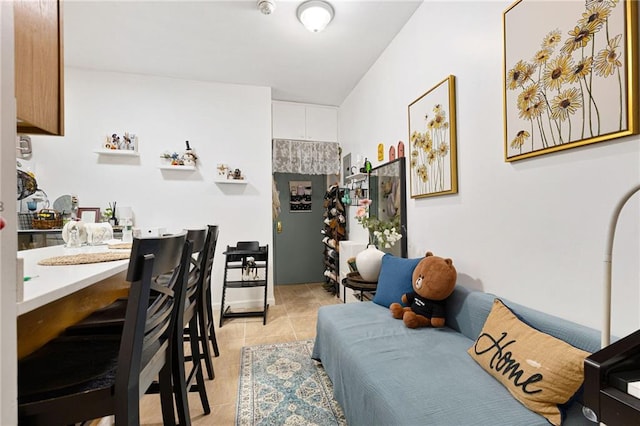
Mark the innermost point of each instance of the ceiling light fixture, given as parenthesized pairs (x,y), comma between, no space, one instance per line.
(267,6)
(315,15)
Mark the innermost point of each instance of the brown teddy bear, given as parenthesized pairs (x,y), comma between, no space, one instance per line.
(433,281)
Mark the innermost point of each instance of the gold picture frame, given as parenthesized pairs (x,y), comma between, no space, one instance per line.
(432,142)
(570,75)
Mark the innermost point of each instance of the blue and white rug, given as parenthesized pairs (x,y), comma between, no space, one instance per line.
(281,385)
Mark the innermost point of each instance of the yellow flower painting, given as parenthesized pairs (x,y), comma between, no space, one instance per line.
(570,75)
(432,139)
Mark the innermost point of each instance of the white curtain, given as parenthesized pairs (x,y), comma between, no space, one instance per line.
(307,158)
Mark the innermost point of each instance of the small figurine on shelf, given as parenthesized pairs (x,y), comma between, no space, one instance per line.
(129,141)
(112,142)
(173,159)
(223,170)
(189,157)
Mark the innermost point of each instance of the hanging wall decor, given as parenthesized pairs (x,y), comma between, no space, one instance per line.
(432,141)
(570,75)
(380,151)
(300,196)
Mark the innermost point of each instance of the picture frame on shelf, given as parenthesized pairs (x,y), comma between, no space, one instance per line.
(432,141)
(89,214)
(570,76)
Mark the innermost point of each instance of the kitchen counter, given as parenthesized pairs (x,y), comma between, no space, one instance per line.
(58,296)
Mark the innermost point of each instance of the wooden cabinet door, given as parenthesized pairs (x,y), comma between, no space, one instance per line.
(288,121)
(39,66)
(321,123)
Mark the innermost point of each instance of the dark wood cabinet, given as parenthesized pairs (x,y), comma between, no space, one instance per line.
(39,66)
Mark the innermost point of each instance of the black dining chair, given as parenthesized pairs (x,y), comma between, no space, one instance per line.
(110,319)
(207,333)
(188,324)
(76,378)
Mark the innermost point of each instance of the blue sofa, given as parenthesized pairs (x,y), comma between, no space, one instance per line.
(384,373)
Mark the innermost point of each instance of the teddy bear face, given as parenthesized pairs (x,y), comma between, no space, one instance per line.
(434,277)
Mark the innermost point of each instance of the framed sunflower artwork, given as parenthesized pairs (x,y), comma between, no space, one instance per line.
(432,142)
(570,74)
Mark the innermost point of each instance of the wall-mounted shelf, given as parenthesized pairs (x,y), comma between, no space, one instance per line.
(356,177)
(180,168)
(118,152)
(232,181)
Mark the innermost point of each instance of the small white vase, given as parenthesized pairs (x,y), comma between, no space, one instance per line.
(368,262)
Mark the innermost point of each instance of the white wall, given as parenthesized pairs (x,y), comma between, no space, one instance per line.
(532,231)
(224,124)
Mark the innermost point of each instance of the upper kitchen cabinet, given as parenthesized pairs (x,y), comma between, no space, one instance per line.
(304,122)
(39,66)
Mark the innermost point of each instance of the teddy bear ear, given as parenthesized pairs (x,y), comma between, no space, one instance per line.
(448,262)
(427,254)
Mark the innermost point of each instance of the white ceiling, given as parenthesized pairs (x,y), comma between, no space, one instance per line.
(232,42)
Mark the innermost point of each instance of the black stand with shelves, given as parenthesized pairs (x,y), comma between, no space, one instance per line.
(333,232)
(249,259)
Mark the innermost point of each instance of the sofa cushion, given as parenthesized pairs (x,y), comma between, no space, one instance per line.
(394,279)
(540,371)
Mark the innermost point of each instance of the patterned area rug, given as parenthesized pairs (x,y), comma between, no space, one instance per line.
(281,385)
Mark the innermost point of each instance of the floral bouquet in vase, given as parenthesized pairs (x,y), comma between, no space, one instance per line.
(382,233)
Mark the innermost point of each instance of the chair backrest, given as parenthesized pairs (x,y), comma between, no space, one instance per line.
(248,245)
(198,238)
(159,265)
(212,241)
(243,249)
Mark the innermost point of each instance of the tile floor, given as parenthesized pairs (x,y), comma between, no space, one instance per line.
(293,317)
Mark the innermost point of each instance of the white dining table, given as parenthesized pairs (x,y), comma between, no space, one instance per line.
(55,297)
(46,284)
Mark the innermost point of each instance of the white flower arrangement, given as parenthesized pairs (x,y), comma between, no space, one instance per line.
(382,233)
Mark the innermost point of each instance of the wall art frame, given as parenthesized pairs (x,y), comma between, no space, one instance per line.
(300,196)
(572,80)
(432,141)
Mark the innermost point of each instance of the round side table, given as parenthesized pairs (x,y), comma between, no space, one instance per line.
(355,282)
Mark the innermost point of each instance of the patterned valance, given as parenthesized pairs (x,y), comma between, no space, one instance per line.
(307,158)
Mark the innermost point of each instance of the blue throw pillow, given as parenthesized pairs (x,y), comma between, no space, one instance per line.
(394,279)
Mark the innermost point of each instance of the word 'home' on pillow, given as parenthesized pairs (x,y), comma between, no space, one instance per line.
(542,372)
